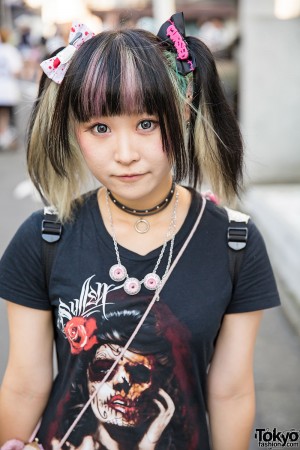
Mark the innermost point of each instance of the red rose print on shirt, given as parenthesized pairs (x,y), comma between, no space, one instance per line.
(79,332)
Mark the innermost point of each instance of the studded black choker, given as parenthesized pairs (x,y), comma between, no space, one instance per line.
(144,212)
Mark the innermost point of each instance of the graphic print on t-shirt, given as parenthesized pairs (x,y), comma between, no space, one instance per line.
(147,401)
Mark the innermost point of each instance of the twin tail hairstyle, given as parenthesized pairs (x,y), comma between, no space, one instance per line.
(132,71)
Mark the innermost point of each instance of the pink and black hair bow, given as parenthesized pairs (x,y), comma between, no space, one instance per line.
(56,67)
(173,32)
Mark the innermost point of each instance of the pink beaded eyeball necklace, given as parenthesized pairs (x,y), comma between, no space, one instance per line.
(152,280)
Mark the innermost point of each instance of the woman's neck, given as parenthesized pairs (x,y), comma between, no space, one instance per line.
(124,223)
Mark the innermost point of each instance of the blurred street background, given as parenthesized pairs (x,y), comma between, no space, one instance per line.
(257,47)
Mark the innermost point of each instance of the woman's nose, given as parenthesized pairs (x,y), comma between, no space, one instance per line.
(127,150)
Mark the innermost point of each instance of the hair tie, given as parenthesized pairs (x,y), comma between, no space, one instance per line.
(173,32)
(56,67)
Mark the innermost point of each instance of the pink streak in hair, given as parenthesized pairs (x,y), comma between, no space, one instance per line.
(96,83)
(95,86)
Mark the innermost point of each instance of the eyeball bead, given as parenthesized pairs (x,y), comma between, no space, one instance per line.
(117,272)
(151,281)
(132,286)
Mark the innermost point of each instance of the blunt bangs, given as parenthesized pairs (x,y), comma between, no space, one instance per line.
(119,73)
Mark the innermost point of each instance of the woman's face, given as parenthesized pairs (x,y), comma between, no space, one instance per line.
(125,154)
(119,401)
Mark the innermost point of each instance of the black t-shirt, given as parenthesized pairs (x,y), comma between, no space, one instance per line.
(163,373)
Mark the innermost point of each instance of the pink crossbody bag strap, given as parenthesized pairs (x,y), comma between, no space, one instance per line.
(120,356)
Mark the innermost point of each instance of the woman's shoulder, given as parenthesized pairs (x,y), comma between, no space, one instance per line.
(32,226)
(219,217)
(215,213)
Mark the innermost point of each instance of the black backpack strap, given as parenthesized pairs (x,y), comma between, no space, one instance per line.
(51,234)
(237,237)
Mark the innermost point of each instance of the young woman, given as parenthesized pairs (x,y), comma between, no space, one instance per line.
(146,116)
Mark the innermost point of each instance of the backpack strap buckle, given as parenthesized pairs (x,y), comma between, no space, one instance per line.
(51,227)
(237,232)
(237,237)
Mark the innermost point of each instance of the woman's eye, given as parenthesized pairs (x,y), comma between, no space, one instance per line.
(100,128)
(146,124)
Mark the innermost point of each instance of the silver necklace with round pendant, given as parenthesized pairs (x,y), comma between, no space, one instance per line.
(152,280)
(142,226)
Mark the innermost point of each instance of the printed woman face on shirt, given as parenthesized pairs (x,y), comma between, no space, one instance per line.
(119,400)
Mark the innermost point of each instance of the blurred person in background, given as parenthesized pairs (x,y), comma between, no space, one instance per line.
(10,67)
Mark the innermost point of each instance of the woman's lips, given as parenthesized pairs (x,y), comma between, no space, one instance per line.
(130,177)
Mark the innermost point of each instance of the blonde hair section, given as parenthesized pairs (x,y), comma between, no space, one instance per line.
(206,146)
(206,140)
(59,191)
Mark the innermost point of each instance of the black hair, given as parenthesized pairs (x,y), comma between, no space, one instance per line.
(126,72)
